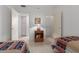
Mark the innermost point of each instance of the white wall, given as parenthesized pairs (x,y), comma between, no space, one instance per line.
(5,23)
(54,26)
(32,23)
(39,11)
(48,32)
(70,20)
(57,22)
(43,11)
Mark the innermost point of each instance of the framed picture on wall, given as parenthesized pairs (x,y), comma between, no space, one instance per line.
(37,20)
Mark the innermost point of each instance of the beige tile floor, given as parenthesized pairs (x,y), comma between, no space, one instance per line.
(40,47)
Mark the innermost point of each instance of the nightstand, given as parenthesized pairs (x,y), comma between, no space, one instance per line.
(39,36)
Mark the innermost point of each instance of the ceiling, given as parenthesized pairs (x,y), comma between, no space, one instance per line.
(34,8)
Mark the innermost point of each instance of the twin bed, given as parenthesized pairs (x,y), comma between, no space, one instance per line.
(69,44)
(20,46)
(13,47)
(72,47)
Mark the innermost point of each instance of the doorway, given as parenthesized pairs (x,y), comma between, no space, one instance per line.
(20,25)
(24,25)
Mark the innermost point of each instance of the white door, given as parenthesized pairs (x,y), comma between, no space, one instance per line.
(49,26)
(15,15)
(24,25)
(57,24)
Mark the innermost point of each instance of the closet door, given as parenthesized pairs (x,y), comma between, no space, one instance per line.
(23,26)
(49,26)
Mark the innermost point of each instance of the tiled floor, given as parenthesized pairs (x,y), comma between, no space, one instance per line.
(40,47)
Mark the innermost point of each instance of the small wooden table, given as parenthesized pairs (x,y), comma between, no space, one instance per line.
(39,36)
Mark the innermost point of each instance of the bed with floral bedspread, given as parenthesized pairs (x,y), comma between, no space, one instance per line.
(13,47)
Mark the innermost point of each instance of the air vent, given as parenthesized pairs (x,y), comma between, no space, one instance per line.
(23,5)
